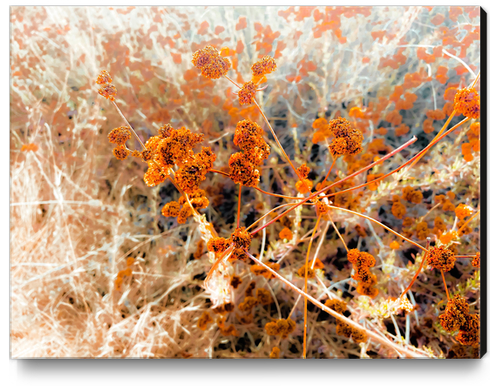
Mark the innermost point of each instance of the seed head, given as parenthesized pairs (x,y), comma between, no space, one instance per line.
(247,93)
(119,135)
(210,62)
(108,91)
(441,258)
(171,209)
(103,78)
(120,152)
(467,102)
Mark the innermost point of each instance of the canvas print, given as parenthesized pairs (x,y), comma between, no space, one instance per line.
(246,182)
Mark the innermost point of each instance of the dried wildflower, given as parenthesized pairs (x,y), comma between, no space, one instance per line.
(469,333)
(281,327)
(218,244)
(250,288)
(398,209)
(358,336)
(311,269)
(260,271)
(348,140)
(422,230)
(264,297)
(394,245)
(412,195)
(476,260)
(242,171)
(275,353)
(360,258)
(166,131)
(210,62)
(103,78)
(238,254)
(304,186)
(120,152)
(241,238)
(303,171)
(154,175)
(264,66)
(235,281)
(119,135)
(185,212)
(247,93)
(372,177)
(204,319)
(108,91)
(229,330)
(455,315)
(321,208)
(441,258)
(343,329)
(171,209)
(406,305)
(467,102)
(224,308)
(248,304)
(130,261)
(447,237)
(462,211)
(336,305)
(190,176)
(286,234)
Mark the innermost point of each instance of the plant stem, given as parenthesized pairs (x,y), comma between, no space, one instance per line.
(381,339)
(338,183)
(129,124)
(306,287)
(239,201)
(381,224)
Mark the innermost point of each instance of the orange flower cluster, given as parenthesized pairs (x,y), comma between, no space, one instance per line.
(193,172)
(304,186)
(322,130)
(243,165)
(258,270)
(362,261)
(372,177)
(398,209)
(224,308)
(210,62)
(241,238)
(441,258)
(264,297)
(247,93)
(218,244)
(475,262)
(321,208)
(119,136)
(412,195)
(182,210)
(457,317)
(343,329)
(467,102)
(264,66)
(228,330)
(422,230)
(204,319)
(108,90)
(447,205)
(235,281)
(311,273)
(469,148)
(348,140)
(462,211)
(275,353)
(281,327)
(248,304)
(286,234)
(120,152)
(249,138)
